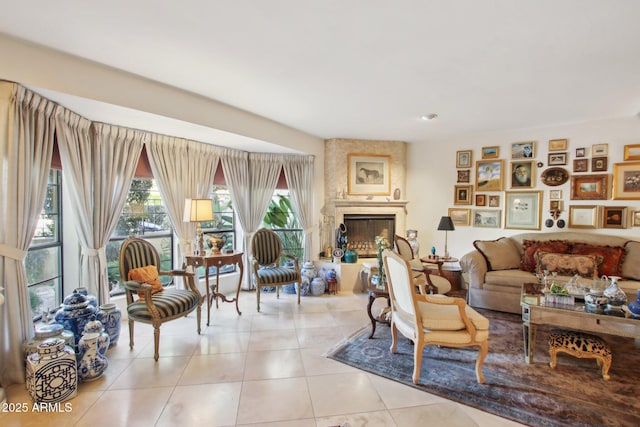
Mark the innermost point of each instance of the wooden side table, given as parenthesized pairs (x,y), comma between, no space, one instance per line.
(453,275)
(217,261)
(375,293)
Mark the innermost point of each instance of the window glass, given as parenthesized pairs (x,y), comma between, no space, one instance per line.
(282,219)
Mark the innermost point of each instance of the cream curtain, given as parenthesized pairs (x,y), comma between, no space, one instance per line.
(182,169)
(27,130)
(99,161)
(299,173)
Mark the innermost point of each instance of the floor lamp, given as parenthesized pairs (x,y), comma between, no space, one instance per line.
(198,210)
(446,225)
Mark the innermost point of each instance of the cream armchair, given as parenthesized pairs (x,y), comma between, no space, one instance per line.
(427,283)
(431,319)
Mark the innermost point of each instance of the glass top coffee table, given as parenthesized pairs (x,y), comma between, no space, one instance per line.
(536,312)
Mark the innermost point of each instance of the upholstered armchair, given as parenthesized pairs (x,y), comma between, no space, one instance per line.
(431,319)
(147,300)
(427,283)
(266,253)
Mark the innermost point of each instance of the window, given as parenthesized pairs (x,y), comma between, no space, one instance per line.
(43,262)
(144,215)
(282,219)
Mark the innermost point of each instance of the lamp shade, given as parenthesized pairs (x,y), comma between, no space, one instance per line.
(197,210)
(446,224)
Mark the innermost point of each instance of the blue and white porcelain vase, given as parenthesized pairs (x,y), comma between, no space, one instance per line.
(111,318)
(75,313)
(308,273)
(95,326)
(91,298)
(91,363)
(52,373)
(634,306)
(317,286)
(45,332)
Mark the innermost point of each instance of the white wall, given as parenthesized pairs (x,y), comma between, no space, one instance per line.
(431,177)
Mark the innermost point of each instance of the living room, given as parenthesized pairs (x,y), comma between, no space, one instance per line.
(430,172)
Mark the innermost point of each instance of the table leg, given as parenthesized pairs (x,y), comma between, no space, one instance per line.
(373,320)
(529,335)
(206,279)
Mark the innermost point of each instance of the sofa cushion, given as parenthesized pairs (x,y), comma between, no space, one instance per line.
(501,254)
(530,247)
(612,256)
(631,265)
(568,264)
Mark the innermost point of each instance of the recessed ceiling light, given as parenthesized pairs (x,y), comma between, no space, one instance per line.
(428,117)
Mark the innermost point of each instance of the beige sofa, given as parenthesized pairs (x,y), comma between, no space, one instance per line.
(495,274)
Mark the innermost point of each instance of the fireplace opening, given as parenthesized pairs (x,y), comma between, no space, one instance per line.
(362,229)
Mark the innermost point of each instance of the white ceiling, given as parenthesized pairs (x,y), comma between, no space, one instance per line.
(366,68)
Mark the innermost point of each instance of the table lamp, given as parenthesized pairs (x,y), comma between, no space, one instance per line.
(446,224)
(198,210)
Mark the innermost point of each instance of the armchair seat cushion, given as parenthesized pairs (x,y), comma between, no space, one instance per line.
(447,317)
(270,275)
(169,303)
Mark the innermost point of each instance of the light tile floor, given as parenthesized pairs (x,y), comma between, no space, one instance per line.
(258,369)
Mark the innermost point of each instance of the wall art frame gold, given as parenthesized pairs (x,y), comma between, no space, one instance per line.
(492,152)
(583,216)
(614,216)
(632,152)
(558,144)
(523,210)
(489,175)
(463,194)
(626,181)
(464,158)
(590,187)
(369,174)
(460,216)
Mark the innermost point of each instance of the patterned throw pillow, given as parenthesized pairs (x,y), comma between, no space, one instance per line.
(149,275)
(612,256)
(528,262)
(567,264)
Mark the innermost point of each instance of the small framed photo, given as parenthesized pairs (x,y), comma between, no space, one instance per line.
(555,205)
(464,175)
(522,150)
(490,152)
(555,194)
(614,217)
(580,165)
(635,218)
(523,174)
(460,217)
(463,194)
(581,152)
(557,159)
(489,175)
(590,187)
(626,181)
(463,158)
(481,200)
(486,218)
(583,216)
(558,144)
(599,164)
(523,210)
(494,201)
(632,152)
(599,149)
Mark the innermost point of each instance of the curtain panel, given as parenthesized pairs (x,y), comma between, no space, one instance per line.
(298,171)
(27,133)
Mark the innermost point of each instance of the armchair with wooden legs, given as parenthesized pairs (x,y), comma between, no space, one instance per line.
(427,283)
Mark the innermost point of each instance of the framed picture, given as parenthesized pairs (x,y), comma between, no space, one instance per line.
(614,217)
(490,152)
(599,164)
(460,217)
(590,187)
(463,194)
(632,152)
(523,174)
(486,218)
(464,175)
(557,159)
(369,174)
(583,216)
(626,181)
(580,165)
(522,150)
(463,159)
(481,200)
(635,218)
(555,205)
(523,209)
(494,201)
(558,144)
(489,175)
(599,149)
(554,176)
(555,194)
(581,152)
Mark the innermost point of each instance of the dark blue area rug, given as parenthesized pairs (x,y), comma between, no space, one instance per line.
(572,394)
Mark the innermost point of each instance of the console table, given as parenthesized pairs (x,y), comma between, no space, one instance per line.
(217,260)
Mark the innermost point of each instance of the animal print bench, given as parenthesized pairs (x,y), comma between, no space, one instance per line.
(581,345)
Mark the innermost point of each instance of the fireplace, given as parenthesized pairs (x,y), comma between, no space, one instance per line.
(362,230)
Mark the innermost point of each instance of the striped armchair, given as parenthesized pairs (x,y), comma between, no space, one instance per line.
(160,307)
(266,252)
